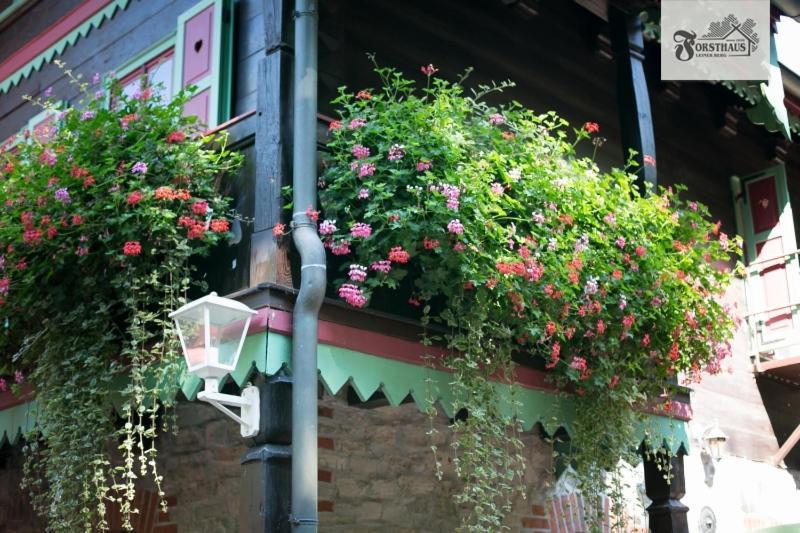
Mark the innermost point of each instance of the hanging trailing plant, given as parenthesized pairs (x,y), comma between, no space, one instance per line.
(100,213)
(485,220)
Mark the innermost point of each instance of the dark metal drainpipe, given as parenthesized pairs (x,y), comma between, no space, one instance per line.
(312,272)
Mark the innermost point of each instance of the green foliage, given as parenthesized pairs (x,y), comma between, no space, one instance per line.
(486,220)
(101,211)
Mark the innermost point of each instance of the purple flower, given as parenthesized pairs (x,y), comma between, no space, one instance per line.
(99,95)
(87,115)
(3,385)
(498,189)
(422,166)
(620,242)
(327,227)
(623,302)
(455,226)
(18,377)
(96,78)
(610,219)
(48,92)
(139,168)
(538,217)
(363,194)
(62,195)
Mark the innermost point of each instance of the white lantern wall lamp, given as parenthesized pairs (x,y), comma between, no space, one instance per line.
(212,332)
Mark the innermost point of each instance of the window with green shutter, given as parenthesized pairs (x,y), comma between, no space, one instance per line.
(765,220)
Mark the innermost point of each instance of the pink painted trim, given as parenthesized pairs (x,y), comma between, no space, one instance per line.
(8,399)
(50,36)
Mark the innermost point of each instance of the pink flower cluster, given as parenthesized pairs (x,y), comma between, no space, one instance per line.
(340,248)
(357,273)
(360,230)
(357,123)
(422,166)
(455,227)
(383,266)
(496,119)
(327,227)
(498,189)
(367,169)
(360,152)
(352,294)
(451,192)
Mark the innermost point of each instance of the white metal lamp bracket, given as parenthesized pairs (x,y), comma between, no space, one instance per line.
(248,404)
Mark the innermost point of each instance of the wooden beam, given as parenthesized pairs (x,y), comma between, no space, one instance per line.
(636,121)
(787,446)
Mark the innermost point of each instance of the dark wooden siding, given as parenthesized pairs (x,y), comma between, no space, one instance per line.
(128,34)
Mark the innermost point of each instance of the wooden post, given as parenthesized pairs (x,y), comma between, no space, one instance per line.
(265,503)
(667,513)
(636,121)
(273,142)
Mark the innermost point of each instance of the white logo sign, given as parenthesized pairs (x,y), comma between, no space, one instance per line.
(715,39)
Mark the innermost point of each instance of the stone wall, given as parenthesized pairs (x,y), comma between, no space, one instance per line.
(376,473)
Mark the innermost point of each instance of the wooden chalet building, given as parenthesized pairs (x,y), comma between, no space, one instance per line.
(588,60)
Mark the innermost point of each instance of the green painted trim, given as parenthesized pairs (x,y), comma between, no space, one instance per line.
(10,10)
(93,22)
(770,111)
(221,77)
(16,421)
(367,374)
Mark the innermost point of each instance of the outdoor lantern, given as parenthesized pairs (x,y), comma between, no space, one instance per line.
(212,331)
(714,439)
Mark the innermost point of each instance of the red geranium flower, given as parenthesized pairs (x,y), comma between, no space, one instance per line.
(591,127)
(132,248)
(220,225)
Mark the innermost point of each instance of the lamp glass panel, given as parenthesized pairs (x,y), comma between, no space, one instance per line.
(226,328)
(192,332)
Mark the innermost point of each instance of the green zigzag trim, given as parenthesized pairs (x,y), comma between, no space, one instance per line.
(271,352)
(95,21)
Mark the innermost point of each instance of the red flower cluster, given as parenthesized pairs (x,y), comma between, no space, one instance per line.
(398,255)
(220,225)
(175,137)
(132,248)
(134,198)
(591,127)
